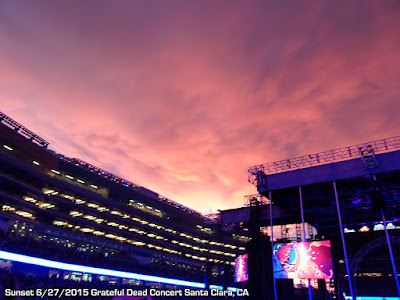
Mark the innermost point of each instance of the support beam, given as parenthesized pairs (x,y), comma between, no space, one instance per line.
(343,242)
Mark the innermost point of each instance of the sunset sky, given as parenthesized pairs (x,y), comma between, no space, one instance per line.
(183,96)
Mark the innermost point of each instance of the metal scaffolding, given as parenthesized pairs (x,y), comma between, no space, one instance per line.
(25,132)
(321,158)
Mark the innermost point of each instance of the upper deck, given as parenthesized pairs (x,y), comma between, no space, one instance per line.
(354,161)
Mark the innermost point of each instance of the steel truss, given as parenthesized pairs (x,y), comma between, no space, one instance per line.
(341,154)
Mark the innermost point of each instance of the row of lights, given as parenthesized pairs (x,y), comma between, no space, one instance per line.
(143,222)
(205,229)
(72,178)
(41,204)
(119,238)
(210,259)
(113,236)
(140,206)
(54,171)
(142,232)
(157,212)
(146,208)
(366,228)
(45,205)
(241,238)
(22,213)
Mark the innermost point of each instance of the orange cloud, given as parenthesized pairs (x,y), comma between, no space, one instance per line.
(183,97)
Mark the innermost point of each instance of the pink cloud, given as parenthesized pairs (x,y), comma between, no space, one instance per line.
(183,97)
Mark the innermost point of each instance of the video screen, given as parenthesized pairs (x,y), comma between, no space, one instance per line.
(308,260)
(241,268)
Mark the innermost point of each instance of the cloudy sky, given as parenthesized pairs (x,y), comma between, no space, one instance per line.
(183,96)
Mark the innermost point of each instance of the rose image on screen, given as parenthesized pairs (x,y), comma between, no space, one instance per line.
(308,260)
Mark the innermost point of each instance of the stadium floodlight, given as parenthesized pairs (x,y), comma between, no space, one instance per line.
(8,147)
(92,270)
(218,287)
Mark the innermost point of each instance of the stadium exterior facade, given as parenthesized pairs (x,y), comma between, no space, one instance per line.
(67,210)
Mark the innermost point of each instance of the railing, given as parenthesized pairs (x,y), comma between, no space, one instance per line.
(103,173)
(262,200)
(117,179)
(180,206)
(321,158)
(25,132)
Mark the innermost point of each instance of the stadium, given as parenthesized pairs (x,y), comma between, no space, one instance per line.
(67,223)
(72,230)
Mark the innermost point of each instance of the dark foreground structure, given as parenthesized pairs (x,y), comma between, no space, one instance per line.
(67,226)
(66,210)
(350,196)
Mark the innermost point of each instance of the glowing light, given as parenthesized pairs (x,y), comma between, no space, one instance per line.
(379,227)
(92,270)
(8,147)
(390,226)
(216,287)
(24,214)
(364,229)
